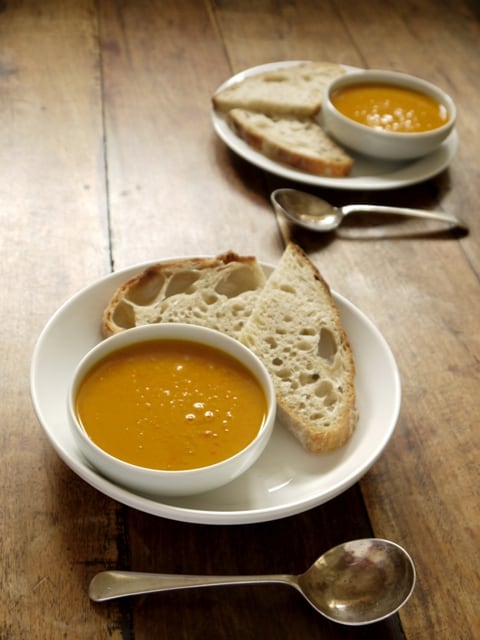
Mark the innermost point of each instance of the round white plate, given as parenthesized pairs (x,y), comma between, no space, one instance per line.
(367,173)
(284,481)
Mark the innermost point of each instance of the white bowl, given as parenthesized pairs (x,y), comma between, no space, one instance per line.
(165,482)
(381,143)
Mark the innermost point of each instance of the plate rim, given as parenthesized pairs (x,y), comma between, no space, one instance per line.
(188,514)
(432,164)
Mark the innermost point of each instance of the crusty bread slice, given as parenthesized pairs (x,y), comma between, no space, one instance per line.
(298,143)
(296,330)
(295,91)
(215,292)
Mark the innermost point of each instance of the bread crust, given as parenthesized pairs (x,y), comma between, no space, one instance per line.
(292,91)
(151,295)
(303,145)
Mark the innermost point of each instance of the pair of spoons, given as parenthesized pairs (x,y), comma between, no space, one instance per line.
(355,583)
(315,214)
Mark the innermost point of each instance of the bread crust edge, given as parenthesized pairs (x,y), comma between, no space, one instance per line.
(108,325)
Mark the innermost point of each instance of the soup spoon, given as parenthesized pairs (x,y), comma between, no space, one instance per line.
(354,583)
(311,212)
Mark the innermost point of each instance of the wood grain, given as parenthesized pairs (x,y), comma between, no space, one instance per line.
(289,545)
(170,179)
(109,158)
(54,529)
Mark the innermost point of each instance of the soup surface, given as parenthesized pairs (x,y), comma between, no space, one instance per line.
(391,108)
(171,405)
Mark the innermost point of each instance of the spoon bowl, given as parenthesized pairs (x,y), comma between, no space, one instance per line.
(359,582)
(355,583)
(313,213)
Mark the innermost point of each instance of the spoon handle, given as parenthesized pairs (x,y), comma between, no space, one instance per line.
(402,211)
(107,585)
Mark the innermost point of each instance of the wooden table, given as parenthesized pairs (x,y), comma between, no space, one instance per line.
(108,158)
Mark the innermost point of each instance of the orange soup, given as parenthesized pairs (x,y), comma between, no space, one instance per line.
(391,108)
(171,405)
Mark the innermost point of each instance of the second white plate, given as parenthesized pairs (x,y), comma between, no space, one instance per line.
(367,173)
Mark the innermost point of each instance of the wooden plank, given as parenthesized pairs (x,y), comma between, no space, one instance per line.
(174,187)
(54,240)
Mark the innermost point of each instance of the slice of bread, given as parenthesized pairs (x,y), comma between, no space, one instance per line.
(294,91)
(296,330)
(215,292)
(298,143)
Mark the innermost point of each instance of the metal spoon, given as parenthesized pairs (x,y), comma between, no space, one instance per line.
(313,213)
(355,583)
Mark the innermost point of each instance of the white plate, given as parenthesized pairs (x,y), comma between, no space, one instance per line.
(284,481)
(367,173)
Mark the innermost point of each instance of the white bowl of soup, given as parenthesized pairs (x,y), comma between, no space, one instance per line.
(171,409)
(386,114)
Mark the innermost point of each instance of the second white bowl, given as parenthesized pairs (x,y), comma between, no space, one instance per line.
(383,143)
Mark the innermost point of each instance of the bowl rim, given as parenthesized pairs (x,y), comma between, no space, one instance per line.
(396,78)
(176,327)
